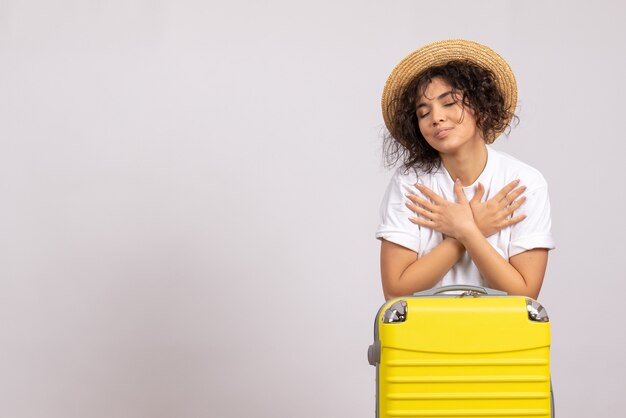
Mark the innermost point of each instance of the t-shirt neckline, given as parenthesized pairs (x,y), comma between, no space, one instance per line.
(484,174)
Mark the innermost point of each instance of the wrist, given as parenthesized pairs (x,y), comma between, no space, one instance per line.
(455,243)
(468,233)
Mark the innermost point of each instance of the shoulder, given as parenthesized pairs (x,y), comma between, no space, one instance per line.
(513,168)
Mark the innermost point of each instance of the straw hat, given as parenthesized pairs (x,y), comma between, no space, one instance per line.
(439,53)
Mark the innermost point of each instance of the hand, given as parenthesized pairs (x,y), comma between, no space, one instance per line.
(494,214)
(450,218)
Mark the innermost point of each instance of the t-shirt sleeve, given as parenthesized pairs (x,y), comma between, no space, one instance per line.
(395,225)
(534,231)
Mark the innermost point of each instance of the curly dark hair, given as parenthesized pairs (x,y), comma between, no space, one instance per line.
(474,85)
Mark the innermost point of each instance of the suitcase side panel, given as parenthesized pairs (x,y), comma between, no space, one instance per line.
(442,384)
(477,357)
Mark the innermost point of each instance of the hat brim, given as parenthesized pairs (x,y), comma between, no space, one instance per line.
(439,53)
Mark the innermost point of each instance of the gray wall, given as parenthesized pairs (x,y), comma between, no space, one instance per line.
(189,193)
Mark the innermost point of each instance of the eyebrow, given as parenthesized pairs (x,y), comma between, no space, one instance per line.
(441,96)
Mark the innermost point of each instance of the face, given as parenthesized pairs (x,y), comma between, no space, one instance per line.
(444,121)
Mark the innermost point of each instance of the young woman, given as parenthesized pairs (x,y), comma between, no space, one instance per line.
(457,211)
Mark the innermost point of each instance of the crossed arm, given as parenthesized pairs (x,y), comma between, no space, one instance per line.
(465,226)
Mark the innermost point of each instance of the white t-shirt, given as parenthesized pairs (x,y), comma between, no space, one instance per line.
(501,169)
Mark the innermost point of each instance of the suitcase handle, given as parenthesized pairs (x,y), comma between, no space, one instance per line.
(462,287)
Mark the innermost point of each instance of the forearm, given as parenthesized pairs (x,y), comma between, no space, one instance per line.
(426,271)
(495,269)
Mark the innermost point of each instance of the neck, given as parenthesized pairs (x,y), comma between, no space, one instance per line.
(467,164)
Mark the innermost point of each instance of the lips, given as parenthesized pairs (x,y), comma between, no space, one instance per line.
(442,133)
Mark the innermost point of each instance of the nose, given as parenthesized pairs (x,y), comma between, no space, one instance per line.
(438,115)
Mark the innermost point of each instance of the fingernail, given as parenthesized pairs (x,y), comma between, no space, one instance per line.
(458,181)
(517,181)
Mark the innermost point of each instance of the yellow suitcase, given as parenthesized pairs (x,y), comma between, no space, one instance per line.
(474,353)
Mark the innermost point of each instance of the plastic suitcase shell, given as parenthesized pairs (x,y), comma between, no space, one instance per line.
(480,353)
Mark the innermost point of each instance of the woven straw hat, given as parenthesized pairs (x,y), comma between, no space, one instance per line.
(439,53)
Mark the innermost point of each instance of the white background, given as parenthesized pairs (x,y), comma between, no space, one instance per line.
(189,193)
